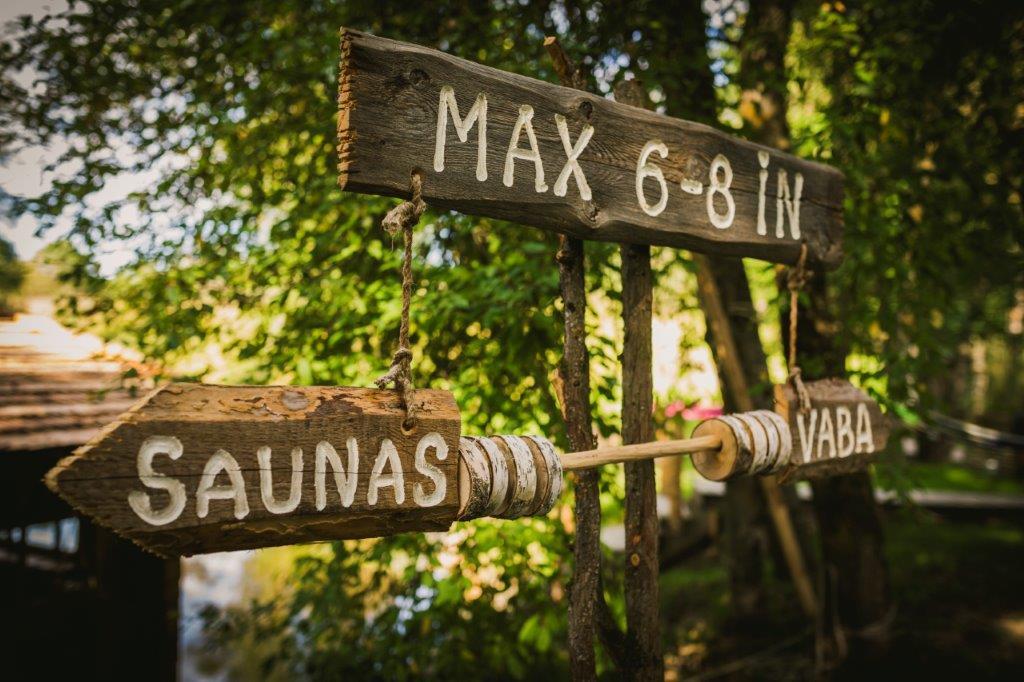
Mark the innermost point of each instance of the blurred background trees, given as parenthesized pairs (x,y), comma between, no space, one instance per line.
(241,261)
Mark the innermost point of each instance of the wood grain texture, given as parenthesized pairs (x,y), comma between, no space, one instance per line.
(100,476)
(817,455)
(389,97)
(586,596)
(641,513)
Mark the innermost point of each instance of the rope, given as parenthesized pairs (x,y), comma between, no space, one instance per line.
(404,217)
(795,280)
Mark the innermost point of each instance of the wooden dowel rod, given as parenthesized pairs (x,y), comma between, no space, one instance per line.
(589,459)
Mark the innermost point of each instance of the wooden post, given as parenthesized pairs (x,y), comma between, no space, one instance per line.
(732,371)
(642,624)
(575,379)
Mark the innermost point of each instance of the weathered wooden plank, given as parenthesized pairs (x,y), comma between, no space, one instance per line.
(506,146)
(195,468)
(842,431)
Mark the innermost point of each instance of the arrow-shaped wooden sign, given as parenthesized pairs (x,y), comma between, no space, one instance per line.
(196,468)
(497,144)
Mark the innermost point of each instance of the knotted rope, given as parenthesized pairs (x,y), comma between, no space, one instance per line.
(796,278)
(404,217)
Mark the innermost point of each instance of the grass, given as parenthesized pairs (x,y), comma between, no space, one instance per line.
(895,474)
(959,593)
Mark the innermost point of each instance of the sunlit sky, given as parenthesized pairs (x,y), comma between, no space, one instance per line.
(23,173)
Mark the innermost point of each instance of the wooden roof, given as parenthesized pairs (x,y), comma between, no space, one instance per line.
(57,388)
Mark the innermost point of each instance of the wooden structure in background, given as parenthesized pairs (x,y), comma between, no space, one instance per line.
(79,599)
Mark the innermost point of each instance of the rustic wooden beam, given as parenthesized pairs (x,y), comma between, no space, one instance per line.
(506,146)
(641,514)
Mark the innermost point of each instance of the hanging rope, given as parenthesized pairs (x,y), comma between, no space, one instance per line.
(404,217)
(795,280)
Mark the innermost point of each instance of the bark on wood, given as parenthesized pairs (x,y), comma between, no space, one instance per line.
(586,598)
(641,515)
(239,420)
(389,98)
(763,79)
(736,384)
(857,601)
(575,371)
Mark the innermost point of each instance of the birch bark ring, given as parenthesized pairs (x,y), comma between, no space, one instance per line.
(758,438)
(731,458)
(540,464)
(499,476)
(554,468)
(474,479)
(525,478)
(740,432)
(774,441)
(785,440)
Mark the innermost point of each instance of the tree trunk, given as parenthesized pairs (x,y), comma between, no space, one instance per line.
(856,599)
(743,371)
(641,517)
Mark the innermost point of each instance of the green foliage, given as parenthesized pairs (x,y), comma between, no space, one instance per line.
(418,605)
(919,104)
(250,265)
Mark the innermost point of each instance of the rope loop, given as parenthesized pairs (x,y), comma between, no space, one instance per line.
(796,278)
(404,218)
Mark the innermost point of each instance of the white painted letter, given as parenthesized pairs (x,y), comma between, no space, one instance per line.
(806,434)
(826,434)
(572,153)
(139,501)
(267,482)
(865,439)
(221,461)
(792,207)
(462,127)
(344,479)
(721,220)
(649,170)
(378,479)
(762,188)
(525,120)
(844,431)
(431,440)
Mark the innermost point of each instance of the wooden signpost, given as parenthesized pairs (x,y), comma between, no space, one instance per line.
(195,468)
(501,145)
(840,433)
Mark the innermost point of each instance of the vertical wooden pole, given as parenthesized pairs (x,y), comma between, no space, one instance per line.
(575,373)
(585,593)
(728,355)
(641,580)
